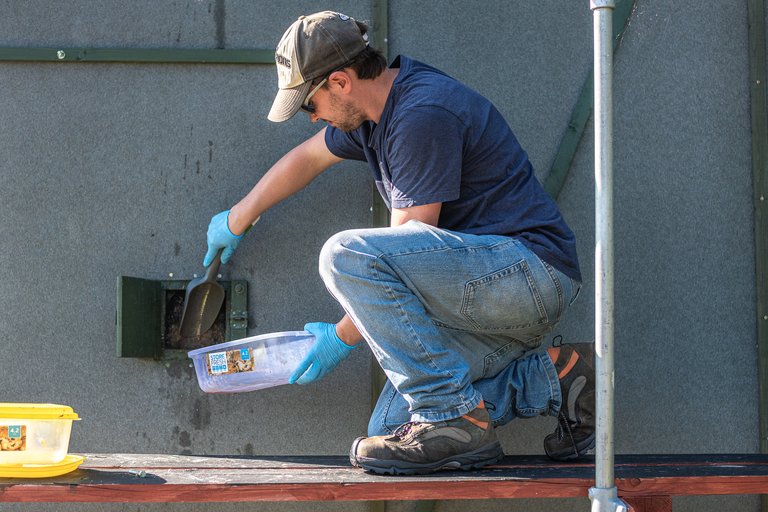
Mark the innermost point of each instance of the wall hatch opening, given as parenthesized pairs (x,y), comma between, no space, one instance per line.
(172,338)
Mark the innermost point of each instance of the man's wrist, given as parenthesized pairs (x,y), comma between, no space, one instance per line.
(237,223)
(347,332)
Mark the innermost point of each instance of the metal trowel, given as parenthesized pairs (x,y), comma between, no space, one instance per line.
(202,301)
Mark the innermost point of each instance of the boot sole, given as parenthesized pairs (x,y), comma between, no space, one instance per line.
(464,461)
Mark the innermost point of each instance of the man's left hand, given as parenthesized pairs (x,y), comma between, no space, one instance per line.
(327,352)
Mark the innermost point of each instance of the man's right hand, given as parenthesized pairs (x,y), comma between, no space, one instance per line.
(221,237)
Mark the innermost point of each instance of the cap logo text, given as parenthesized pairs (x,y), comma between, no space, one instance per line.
(282,60)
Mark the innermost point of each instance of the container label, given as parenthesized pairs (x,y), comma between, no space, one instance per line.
(13,438)
(217,363)
(232,361)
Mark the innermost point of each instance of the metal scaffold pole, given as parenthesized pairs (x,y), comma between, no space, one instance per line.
(604,494)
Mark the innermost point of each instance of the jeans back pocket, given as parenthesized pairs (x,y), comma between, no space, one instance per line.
(506,299)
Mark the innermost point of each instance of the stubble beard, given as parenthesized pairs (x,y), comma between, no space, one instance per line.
(351,117)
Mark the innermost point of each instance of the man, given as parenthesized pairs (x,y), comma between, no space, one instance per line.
(457,294)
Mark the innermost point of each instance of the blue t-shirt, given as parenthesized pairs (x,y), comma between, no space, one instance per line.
(439,141)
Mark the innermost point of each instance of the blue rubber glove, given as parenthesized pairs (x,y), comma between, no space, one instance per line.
(219,236)
(325,354)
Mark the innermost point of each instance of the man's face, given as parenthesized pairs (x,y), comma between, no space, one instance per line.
(335,110)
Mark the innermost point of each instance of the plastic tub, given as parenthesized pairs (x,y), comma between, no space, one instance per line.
(34,433)
(251,363)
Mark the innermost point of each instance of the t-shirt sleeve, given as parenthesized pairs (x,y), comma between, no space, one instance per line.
(344,145)
(424,157)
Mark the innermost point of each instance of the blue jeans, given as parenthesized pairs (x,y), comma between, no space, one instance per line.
(452,319)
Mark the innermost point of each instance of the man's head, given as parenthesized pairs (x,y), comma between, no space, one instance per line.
(311,49)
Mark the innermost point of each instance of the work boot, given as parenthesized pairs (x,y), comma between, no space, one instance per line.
(574,436)
(418,447)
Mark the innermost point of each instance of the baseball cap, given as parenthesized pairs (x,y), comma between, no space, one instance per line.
(313,46)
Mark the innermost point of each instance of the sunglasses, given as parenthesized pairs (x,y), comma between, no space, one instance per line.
(306,106)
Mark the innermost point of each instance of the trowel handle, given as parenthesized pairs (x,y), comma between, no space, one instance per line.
(213,268)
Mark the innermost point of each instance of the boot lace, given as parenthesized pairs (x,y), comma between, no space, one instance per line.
(565,431)
(404,429)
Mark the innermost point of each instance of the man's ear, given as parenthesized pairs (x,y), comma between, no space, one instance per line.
(341,81)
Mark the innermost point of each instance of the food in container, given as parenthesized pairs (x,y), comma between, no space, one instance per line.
(34,433)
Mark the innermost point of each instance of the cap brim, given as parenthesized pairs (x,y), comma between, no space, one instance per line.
(288,102)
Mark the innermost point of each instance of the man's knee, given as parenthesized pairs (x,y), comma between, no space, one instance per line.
(342,254)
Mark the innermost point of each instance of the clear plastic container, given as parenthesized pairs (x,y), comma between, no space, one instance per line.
(251,363)
(34,433)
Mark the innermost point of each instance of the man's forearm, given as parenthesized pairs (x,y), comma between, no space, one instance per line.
(291,173)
